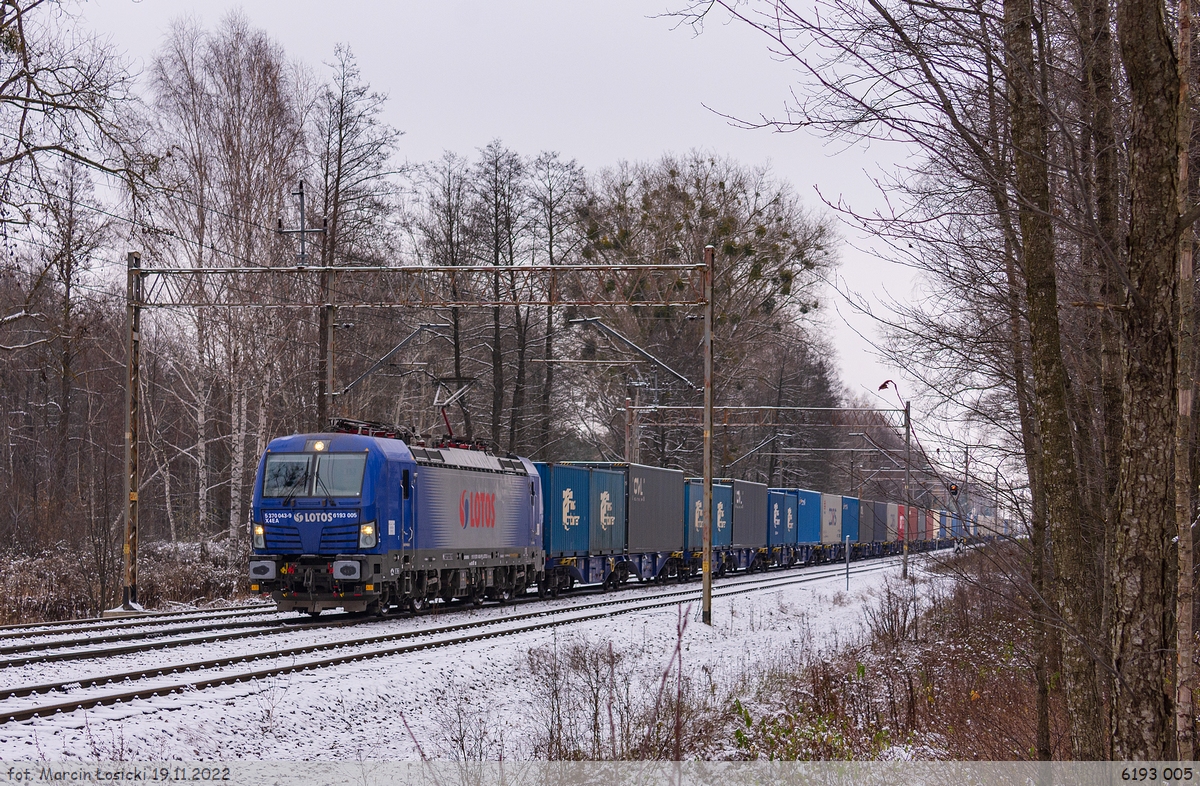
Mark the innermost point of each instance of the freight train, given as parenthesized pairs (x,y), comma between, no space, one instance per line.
(363,520)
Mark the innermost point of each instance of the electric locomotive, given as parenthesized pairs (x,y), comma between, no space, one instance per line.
(365,521)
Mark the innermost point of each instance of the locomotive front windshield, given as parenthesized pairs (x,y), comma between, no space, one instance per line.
(314,475)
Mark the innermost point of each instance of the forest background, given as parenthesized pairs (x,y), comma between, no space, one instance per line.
(1050,207)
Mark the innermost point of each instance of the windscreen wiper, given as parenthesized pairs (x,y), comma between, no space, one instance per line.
(295,488)
(328,497)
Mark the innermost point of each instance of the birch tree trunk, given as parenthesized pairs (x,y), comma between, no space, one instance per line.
(237,453)
(201,411)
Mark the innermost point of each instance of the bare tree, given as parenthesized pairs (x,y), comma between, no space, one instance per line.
(356,197)
(557,188)
(500,215)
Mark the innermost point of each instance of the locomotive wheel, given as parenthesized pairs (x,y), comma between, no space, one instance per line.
(418,605)
(504,596)
(477,598)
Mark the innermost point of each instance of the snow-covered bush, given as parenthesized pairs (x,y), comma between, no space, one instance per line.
(61,583)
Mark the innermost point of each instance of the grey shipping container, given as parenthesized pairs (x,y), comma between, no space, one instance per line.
(880,522)
(608,511)
(866,521)
(749,514)
(653,506)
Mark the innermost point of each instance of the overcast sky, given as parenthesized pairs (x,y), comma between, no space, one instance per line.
(595,81)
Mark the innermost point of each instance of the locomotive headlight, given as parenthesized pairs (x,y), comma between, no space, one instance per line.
(260,539)
(367,537)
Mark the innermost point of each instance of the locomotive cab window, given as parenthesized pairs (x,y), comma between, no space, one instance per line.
(286,474)
(339,474)
(320,475)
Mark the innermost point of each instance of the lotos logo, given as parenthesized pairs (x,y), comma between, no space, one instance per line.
(477,509)
(568,519)
(607,519)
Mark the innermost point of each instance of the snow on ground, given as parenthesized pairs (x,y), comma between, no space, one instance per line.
(400,707)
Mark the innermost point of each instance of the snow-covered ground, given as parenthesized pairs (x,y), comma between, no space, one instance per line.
(406,706)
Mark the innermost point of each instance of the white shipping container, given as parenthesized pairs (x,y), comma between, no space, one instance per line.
(831,518)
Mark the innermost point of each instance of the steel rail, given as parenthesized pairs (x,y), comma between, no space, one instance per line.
(149,636)
(149,618)
(165,644)
(633,604)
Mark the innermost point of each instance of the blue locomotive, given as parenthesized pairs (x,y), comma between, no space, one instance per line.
(366,521)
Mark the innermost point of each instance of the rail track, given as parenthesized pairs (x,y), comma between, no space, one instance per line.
(86,648)
(66,627)
(376,646)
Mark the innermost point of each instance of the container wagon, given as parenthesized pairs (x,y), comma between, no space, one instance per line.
(654,520)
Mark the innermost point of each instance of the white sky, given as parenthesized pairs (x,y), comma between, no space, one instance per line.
(596,81)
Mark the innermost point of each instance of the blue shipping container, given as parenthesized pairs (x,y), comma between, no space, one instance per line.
(850,519)
(781,510)
(808,516)
(565,494)
(722,505)
(607,493)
